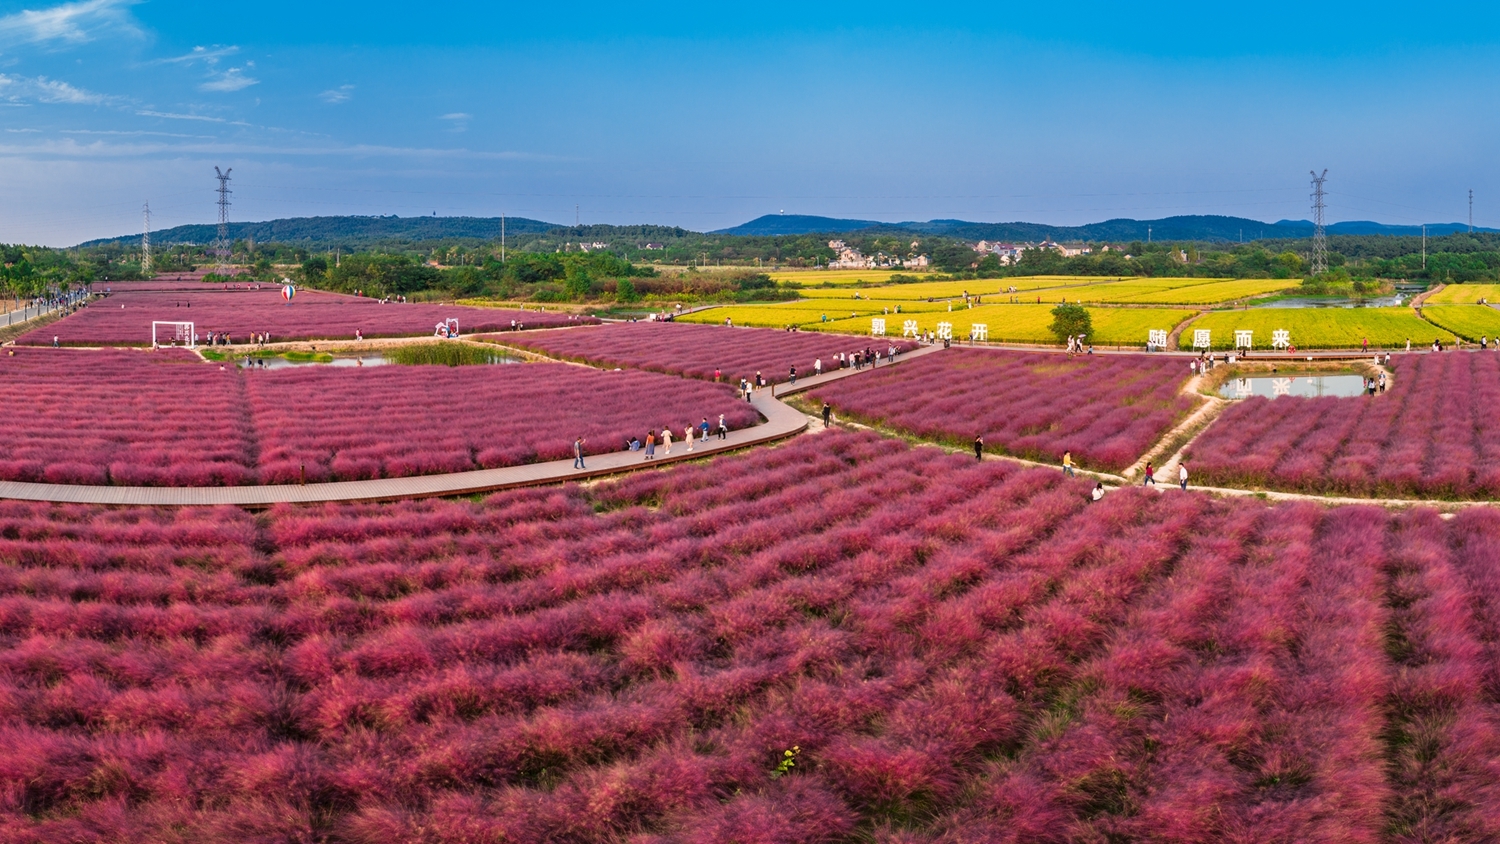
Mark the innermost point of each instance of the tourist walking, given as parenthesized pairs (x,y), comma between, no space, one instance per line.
(703,429)
(1150,476)
(979,447)
(723,429)
(818,367)
(1068,464)
(666,438)
(1182,475)
(687,436)
(794,376)
(827,413)
(650,444)
(578,453)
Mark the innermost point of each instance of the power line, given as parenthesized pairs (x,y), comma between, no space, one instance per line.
(1320,237)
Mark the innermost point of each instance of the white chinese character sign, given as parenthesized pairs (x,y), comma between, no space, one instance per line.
(909,328)
(877,327)
(1200,338)
(1282,386)
(980,332)
(1281,338)
(945,331)
(1157,338)
(1242,339)
(1242,388)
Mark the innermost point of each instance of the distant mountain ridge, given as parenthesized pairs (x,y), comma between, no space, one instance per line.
(349,230)
(1191,227)
(355,232)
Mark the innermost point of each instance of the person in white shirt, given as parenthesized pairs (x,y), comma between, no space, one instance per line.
(1182,475)
(1098,492)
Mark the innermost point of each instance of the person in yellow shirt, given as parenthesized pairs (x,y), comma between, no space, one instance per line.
(1068,464)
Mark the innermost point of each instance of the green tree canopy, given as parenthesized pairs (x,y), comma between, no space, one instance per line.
(1071,320)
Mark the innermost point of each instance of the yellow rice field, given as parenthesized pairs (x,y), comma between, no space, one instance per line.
(1465,294)
(1025,323)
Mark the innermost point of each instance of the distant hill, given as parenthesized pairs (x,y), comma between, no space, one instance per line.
(1305,228)
(346,231)
(1194,227)
(794,224)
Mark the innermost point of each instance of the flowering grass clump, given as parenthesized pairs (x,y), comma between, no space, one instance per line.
(1435,433)
(240,310)
(949,650)
(396,421)
(166,418)
(122,417)
(697,351)
(1106,409)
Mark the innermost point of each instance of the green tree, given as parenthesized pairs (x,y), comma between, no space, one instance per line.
(1070,320)
(579,282)
(625,291)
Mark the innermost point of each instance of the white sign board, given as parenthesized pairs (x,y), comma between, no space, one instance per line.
(1281,338)
(177,332)
(1157,338)
(909,328)
(945,331)
(1200,338)
(1242,339)
(980,332)
(877,327)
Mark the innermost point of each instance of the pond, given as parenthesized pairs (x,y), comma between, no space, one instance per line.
(1402,296)
(1288,384)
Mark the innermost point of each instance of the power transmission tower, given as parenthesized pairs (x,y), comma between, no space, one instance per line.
(1320,237)
(221,245)
(146,240)
(1471,210)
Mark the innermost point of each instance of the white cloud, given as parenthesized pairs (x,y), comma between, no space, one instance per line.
(334,96)
(207,55)
(21,89)
(459,121)
(233,79)
(69,23)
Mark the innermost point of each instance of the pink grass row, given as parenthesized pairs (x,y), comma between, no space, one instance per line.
(697,351)
(124,318)
(960,651)
(166,418)
(1106,409)
(1435,433)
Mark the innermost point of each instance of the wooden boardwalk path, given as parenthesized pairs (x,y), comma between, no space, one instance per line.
(781,422)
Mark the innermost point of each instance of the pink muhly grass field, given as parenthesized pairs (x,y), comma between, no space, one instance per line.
(394,421)
(695,351)
(124,318)
(959,651)
(1434,433)
(165,418)
(1107,410)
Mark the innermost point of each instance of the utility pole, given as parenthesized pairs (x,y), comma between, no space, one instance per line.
(1424,246)
(502,238)
(1320,237)
(1148,234)
(146,240)
(1471,210)
(221,245)
(575,216)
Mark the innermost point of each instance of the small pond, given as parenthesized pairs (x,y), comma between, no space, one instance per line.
(1276,384)
(1333,302)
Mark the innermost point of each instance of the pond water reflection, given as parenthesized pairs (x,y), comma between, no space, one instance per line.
(1289,384)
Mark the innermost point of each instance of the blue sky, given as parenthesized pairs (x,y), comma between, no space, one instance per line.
(686,115)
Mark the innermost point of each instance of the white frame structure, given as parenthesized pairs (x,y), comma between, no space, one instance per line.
(192,334)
